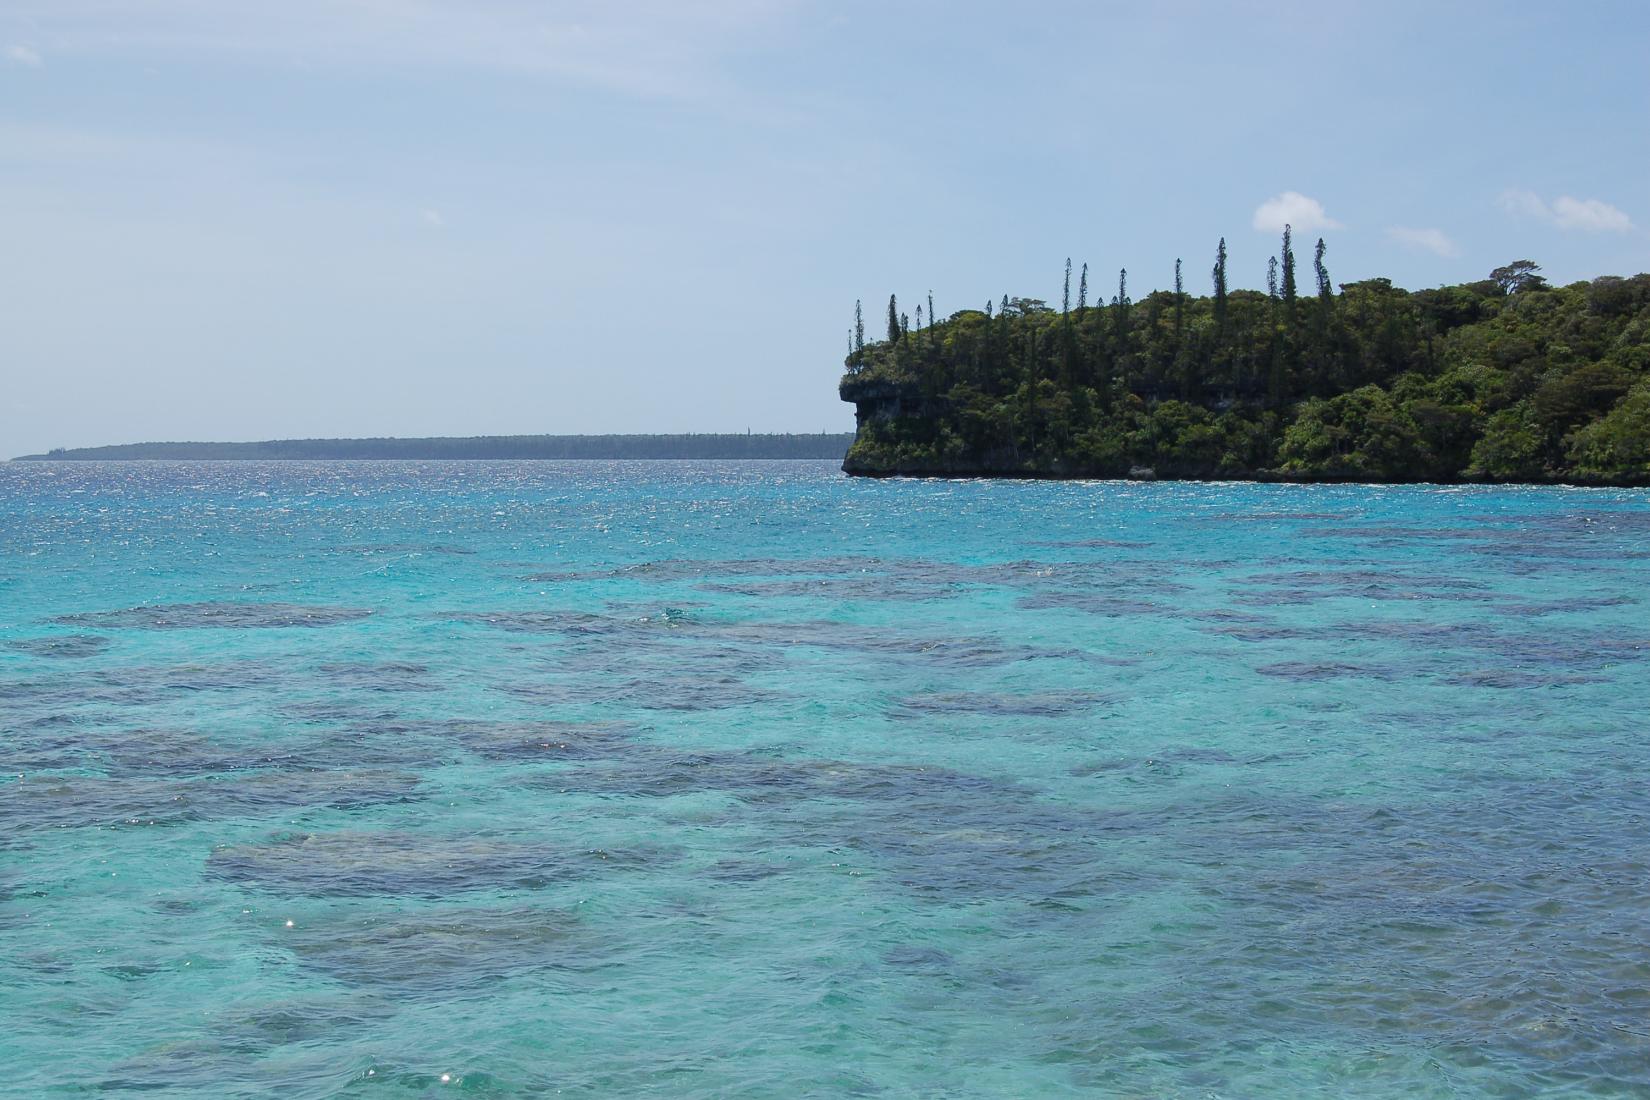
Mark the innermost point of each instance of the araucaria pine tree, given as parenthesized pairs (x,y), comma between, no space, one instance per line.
(1321,330)
(1274,350)
(893,320)
(1182,361)
(859,327)
(1288,269)
(1121,317)
(1220,286)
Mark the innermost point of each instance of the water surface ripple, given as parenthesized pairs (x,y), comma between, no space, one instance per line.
(745,779)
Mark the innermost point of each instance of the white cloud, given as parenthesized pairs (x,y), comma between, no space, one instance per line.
(1525,204)
(1293,209)
(24,55)
(432,218)
(1430,240)
(1589,214)
(1566,212)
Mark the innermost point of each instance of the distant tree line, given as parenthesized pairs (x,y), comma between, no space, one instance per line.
(696,446)
(1504,379)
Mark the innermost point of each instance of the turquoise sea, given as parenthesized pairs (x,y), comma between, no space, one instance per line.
(751,780)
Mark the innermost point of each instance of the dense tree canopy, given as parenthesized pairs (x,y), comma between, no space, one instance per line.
(1507,379)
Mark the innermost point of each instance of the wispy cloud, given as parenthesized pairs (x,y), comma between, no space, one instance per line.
(1587,215)
(1293,209)
(650,48)
(19,54)
(1428,240)
(1525,204)
(432,218)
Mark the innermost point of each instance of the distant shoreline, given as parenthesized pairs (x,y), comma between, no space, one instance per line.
(831,445)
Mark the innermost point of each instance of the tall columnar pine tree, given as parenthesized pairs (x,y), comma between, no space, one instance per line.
(1182,359)
(991,357)
(1220,287)
(1067,337)
(1274,357)
(893,320)
(1291,343)
(1289,291)
(1083,293)
(859,327)
(932,316)
(1321,323)
(1121,330)
(1000,338)
(1179,300)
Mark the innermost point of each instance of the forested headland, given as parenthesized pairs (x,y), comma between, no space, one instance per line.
(692,446)
(1508,379)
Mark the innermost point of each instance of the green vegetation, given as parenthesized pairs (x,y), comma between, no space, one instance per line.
(706,446)
(1506,379)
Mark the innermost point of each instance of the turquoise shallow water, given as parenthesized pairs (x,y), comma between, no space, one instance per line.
(746,779)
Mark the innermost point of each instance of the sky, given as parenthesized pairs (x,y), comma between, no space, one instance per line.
(237,219)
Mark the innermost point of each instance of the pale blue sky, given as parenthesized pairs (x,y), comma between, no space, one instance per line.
(242,220)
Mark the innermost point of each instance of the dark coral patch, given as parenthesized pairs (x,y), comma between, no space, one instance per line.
(63,645)
(217,614)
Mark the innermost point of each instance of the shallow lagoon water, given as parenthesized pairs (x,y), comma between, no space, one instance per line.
(746,779)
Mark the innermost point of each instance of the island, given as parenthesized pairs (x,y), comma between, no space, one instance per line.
(702,446)
(1508,379)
